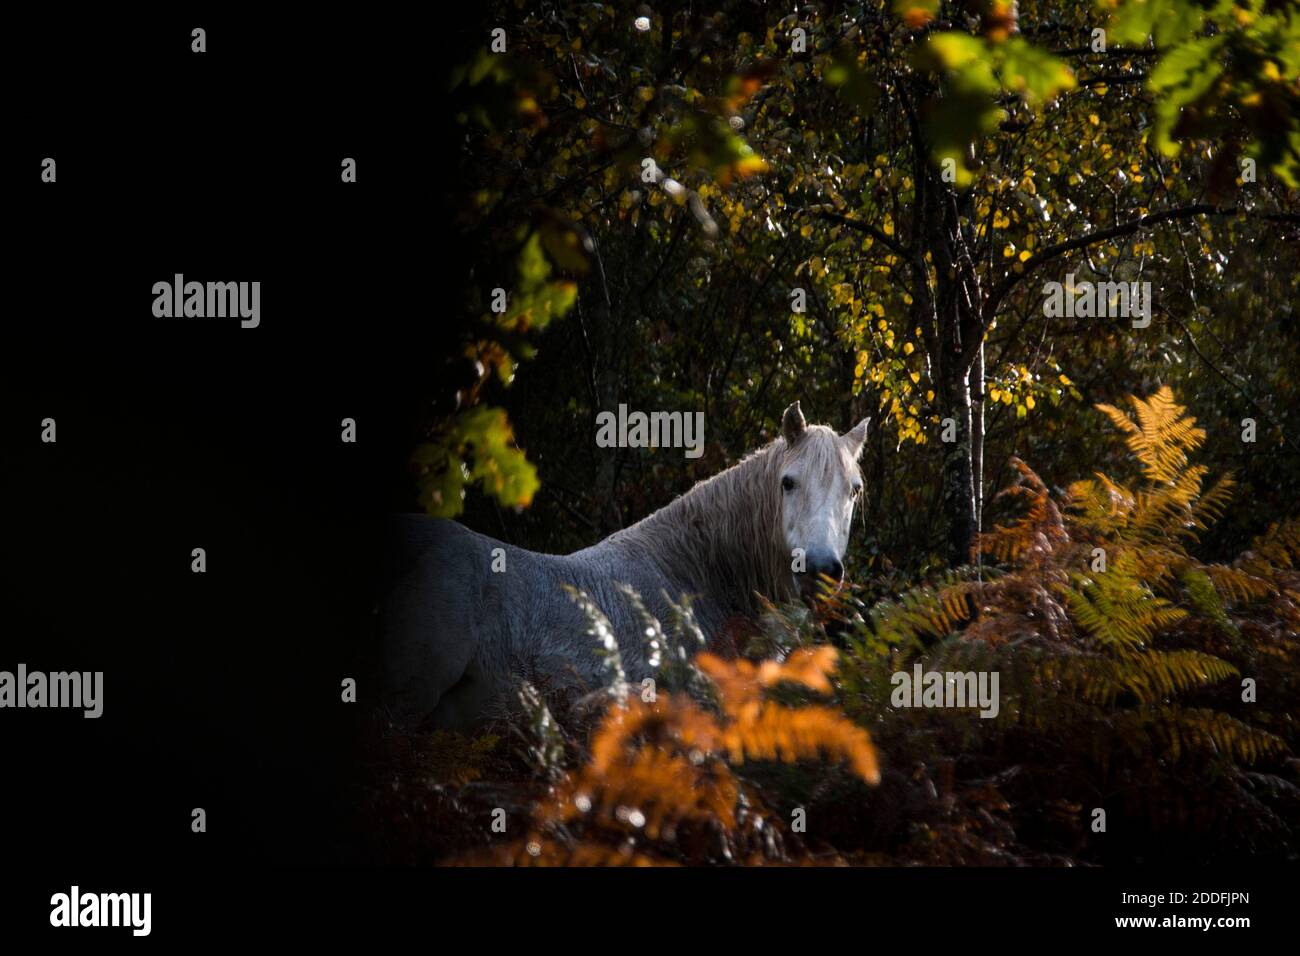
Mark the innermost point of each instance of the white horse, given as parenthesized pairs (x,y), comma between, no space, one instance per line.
(466,619)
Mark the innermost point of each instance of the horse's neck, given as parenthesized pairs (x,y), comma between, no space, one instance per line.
(716,541)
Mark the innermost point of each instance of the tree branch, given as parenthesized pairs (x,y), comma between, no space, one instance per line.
(1102,235)
(887,241)
(1112,79)
(1125,52)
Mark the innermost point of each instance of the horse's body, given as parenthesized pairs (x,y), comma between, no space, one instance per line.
(457,633)
(466,620)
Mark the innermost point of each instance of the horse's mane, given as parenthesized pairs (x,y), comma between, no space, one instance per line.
(722,537)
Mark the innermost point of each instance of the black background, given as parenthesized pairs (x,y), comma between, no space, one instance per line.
(222,690)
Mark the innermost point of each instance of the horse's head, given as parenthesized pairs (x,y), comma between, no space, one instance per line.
(820,486)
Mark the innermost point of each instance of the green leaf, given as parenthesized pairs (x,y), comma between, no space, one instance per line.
(501,469)
(954,51)
(855,84)
(1183,76)
(965,109)
(1033,72)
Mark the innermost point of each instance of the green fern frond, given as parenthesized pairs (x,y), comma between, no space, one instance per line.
(1149,677)
(1191,731)
(1278,547)
(1205,598)
(1120,612)
(1238,584)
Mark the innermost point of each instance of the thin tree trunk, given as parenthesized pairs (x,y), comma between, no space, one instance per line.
(946,298)
(977,436)
(958,476)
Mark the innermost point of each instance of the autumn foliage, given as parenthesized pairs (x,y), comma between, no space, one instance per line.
(658,787)
(1123,659)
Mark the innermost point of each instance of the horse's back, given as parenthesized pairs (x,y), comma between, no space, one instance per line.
(410,536)
(427,617)
(468,615)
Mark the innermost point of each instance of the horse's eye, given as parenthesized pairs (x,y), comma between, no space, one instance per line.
(787,483)
(857,490)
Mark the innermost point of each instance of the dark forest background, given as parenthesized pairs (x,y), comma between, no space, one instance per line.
(655,188)
(833,183)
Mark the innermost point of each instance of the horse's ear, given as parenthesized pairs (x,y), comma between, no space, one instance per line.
(793,424)
(856,437)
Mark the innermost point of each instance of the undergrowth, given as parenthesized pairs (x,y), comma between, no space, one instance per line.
(1145,709)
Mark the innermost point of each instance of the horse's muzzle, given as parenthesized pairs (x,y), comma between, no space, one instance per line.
(828,566)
